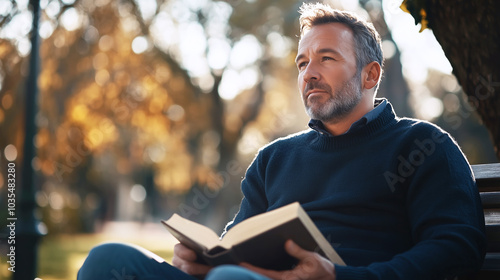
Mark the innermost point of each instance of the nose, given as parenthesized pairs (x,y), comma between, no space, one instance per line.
(310,73)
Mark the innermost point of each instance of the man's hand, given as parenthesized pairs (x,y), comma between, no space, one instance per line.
(311,266)
(185,260)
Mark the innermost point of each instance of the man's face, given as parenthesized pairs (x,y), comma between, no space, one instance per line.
(327,79)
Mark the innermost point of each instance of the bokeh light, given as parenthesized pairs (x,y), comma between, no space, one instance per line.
(10,152)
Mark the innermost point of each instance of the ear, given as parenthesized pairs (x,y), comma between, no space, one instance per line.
(371,75)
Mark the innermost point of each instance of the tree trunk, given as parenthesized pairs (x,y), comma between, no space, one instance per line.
(469,33)
(394,89)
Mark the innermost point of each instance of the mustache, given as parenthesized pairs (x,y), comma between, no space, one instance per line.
(317,85)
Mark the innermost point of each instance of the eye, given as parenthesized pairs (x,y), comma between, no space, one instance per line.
(301,65)
(327,58)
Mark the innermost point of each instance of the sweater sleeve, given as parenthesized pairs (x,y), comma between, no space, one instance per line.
(445,214)
(254,199)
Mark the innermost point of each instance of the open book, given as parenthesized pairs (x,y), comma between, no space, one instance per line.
(258,240)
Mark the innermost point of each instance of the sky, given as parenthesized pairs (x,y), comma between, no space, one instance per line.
(420,51)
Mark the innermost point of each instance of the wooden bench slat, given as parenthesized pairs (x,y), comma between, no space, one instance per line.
(486,171)
(493,237)
(488,186)
(492,262)
(488,183)
(490,200)
(492,216)
(487,177)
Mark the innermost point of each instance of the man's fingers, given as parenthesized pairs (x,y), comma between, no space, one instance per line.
(184,259)
(296,251)
(310,266)
(184,252)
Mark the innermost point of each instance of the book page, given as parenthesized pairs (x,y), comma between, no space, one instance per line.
(327,248)
(197,233)
(259,223)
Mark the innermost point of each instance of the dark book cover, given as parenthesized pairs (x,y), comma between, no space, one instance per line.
(266,250)
(259,240)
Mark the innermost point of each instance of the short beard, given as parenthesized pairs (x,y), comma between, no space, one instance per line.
(338,105)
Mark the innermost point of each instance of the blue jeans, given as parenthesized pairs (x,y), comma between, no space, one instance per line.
(116,261)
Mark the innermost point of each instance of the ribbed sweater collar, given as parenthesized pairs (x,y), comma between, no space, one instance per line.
(386,119)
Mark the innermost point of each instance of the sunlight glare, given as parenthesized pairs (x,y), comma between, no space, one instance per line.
(431,108)
(163,31)
(349,5)
(175,112)
(280,45)
(19,26)
(147,8)
(388,48)
(106,43)
(23,47)
(46,29)
(156,153)
(229,86)
(5,7)
(218,53)
(138,193)
(234,82)
(52,10)
(71,19)
(249,77)
(192,47)
(451,102)
(22,4)
(245,52)
(10,152)
(56,200)
(450,83)
(140,44)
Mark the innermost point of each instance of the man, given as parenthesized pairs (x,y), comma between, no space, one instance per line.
(397,195)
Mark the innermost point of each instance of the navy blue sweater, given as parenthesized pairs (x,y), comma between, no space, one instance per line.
(396,198)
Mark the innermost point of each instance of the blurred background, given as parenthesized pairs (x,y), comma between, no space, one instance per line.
(149,107)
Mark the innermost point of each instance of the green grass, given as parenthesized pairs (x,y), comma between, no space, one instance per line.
(61,256)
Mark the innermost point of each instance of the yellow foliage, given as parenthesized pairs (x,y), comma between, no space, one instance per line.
(175,175)
(7,101)
(4,49)
(424,22)
(100,61)
(139,118)
(404,7)
(46,76)
(111,91)
(422,15)
(79,113)
(42,138)
(101,77)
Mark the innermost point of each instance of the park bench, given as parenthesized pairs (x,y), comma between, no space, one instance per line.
(488,183)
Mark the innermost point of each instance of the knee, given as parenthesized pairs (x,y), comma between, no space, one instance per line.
(104,258)
(108,251)
(223,272)
(233,272)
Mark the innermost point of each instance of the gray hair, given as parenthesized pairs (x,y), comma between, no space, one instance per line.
(367,43)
